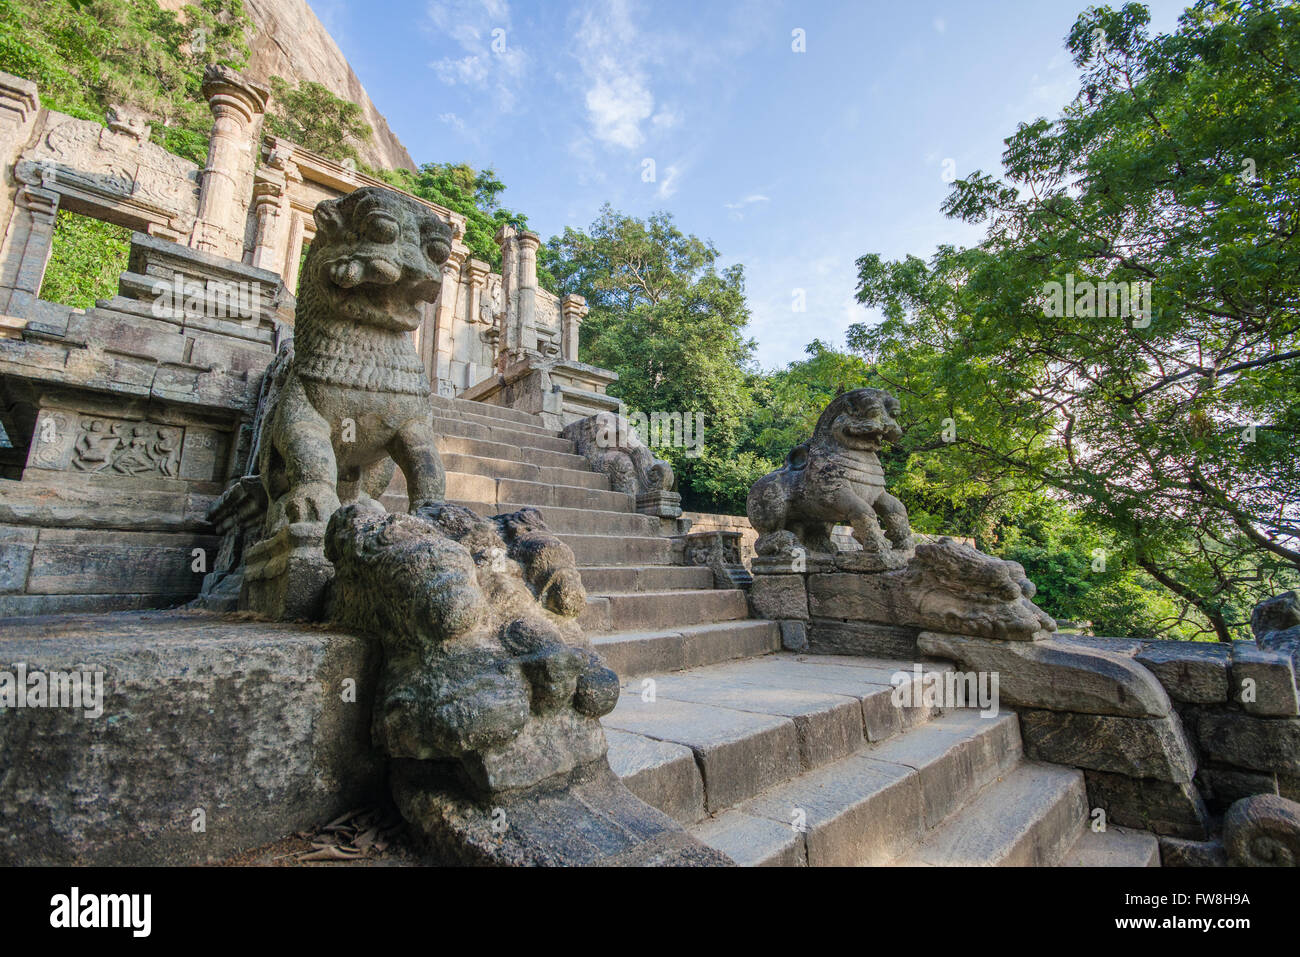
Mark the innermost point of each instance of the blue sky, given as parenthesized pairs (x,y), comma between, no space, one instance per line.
(793,164)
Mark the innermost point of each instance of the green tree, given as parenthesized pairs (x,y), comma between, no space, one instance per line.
(671,324)
(87,56)
(1178,164)
(313,117)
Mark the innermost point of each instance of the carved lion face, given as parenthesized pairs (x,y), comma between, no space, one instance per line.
(864,419)
(377,255)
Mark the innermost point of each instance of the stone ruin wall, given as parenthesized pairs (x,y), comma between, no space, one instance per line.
(125,421)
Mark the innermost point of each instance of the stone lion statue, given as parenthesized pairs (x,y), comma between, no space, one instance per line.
(835,477)
(353,400)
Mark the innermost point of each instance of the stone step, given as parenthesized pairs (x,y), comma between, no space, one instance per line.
(603,579)
(562,521)
(523,471)
(484,414)
(635,653)
(500,433)
(1031,816)
(871,806)
(619,549)
(516,452)
(498,412)
(584,521)
(463,486)
(750,724)
(1114,847)
(630,611)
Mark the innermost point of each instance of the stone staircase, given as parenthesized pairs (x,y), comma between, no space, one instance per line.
(772,758)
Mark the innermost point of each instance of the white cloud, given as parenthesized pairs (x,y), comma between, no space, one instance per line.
(490,61)
(939,24)
(738,208)
(618,96)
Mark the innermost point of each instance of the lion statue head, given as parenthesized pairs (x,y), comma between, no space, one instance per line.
(376,256)
(863,419)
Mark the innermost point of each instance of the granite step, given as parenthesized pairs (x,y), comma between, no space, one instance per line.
(485,415)
(561,521)
(750,723)
(516,452)
(629,611)
(463,486)
(633,654)
(500,412)
(1031,816)
(1114,847)
(603,579)
(448,427)
(618,549)
(871,806)
(523,471)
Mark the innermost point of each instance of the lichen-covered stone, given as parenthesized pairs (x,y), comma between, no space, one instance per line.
(1135,747)
(1162,807)
(477,667)
(1195,672)
(947,587)
(1056,674)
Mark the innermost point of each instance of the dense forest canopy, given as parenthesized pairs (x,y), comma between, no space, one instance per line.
(1103,388)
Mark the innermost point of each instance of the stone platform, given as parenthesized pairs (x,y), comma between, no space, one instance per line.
(218,734)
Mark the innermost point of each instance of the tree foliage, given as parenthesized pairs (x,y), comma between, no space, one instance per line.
(671,324)
(310,115)
(1178,164)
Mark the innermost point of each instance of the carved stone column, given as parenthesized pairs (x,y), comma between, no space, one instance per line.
(267,198)
(31,234)
(507,239)
(573,309)
(526,269)
(19,104)
(237,106)
(444,321)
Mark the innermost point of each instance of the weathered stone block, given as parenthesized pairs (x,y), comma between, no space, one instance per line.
(858,597)
(249,722)
(1195,672)
(16,546)
(1263,680)
(1056,674)
(830,637)
(1137,747)
(1222,786)
(1180,852)
(779,597)
(794,635)
(1164,807)
(1246,741)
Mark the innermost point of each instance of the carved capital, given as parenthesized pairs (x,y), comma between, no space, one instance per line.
(229,92)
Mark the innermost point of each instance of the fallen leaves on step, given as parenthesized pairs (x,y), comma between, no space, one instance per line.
(363,833)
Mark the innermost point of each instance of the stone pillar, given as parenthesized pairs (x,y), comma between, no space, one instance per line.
(31,233)
(527,277)
(293,251)
(267,198)
(444,320)
(237,106)
(507,239)
(573,309)
(476,272)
